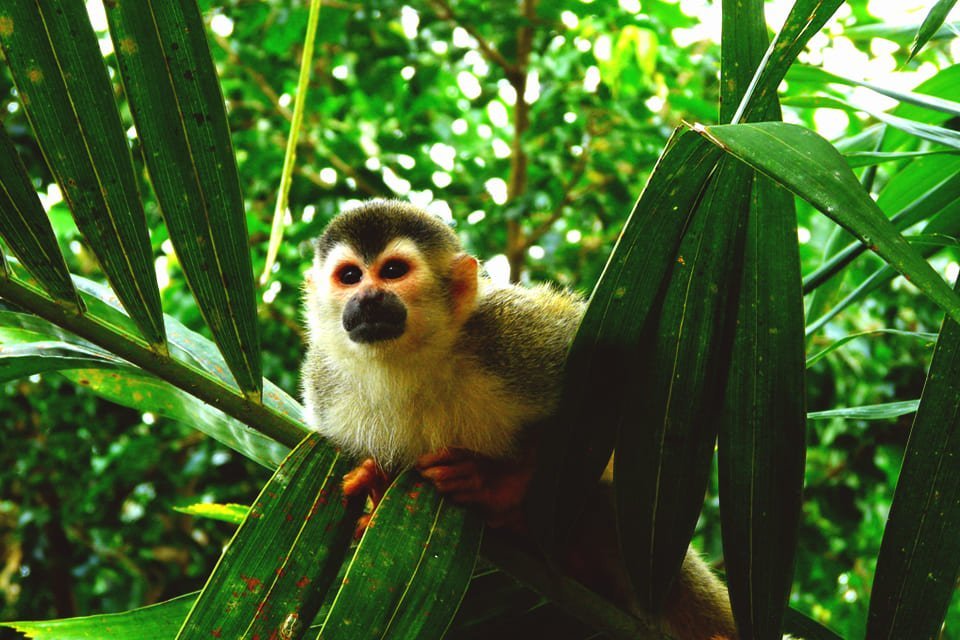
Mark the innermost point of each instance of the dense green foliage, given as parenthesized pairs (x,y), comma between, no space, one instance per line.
(419,101)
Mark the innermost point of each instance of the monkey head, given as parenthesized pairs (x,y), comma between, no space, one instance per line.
(387,279)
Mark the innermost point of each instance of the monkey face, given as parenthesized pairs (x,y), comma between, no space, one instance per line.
(390,302)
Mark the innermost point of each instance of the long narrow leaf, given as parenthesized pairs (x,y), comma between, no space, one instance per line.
(26,229)
(609,342)
(155,622)
(666,442)
(805,20)
(918,192)
(275,572)
(929,338)
(883,411)
(760,444)
(933,133)
(67,96)
(29,346)
(930,25)
(411,568)
(26,359)
(858,159)
(809,166)
(818,75)
(179,112)
(193,364)
(919,557)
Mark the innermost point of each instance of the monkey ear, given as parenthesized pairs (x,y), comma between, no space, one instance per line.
(463,286)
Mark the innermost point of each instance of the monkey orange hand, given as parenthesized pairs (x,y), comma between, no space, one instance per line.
(369,480)
(496,487)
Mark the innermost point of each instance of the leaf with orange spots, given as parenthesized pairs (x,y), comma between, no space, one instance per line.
(411,569)
(278,567)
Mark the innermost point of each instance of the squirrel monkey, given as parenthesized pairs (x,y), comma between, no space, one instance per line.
(416,359)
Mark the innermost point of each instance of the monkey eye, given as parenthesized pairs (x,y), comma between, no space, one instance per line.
(349,274)
(393,269)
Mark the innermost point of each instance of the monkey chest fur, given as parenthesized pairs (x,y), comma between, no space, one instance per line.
(398,412)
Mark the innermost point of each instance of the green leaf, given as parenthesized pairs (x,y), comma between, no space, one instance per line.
(933,133)
(276,570)
(29,358)
(946,222)
(410,570)
(610,341)
(232,513)
(919,557)
(144,392)
(178,108)
(931,25)
(919,191)
(156,622)
(820,355)
(26,229)
(105,325)
(898,32)
(804,21)
(67,96)
(761,444)
(761,426)
(809,166)
(818,75)
(882,411)
(858,159)
(665,444)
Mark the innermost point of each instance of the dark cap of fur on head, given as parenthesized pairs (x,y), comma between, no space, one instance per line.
(369,228)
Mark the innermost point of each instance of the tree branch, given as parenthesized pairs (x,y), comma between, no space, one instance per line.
(445,12)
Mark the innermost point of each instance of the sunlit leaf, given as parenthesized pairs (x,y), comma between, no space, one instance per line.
(232,513)
(883,411)
(156,622)
(931,25)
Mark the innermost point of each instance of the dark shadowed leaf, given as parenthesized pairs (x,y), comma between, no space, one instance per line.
(411,569)
(760,443)
(919,557)
(26,229)
(68,98)
(609,342)
(178,108)
(666,441)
